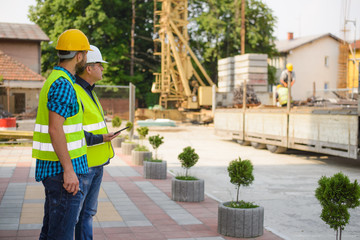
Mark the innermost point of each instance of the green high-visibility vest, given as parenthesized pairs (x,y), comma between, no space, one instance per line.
(283,95)
(94,123)
(73,127)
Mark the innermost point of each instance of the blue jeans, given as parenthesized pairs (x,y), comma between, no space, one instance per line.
(61,209)
(91,188)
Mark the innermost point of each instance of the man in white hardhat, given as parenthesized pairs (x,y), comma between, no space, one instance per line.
(99,150)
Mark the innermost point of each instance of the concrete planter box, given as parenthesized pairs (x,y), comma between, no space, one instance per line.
(155,170)
(138,157)
(127,147)
(187,191)
(116,142)
(240,222)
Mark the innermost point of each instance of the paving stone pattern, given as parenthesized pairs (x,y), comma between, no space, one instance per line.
(130,207)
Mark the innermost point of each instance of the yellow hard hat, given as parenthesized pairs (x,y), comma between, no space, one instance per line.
(73,40)
(289,67)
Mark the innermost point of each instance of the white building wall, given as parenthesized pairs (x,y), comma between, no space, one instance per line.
(309,66)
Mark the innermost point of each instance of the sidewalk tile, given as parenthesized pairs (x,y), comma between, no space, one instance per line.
(130,207)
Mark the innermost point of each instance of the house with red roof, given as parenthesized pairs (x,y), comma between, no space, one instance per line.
(20,66)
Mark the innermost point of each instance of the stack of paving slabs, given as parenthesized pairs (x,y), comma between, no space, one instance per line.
(226,74)
(251,68)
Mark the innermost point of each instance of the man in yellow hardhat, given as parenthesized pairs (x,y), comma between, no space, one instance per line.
(99,150)
(59,143)
(286,74)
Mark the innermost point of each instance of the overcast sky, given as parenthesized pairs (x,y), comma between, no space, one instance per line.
(302,17)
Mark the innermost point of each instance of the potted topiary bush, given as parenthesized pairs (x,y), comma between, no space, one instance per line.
(128,145)
(116,123)
(186,188)
(239,218)
(141,152)
(336,194)
(155,168)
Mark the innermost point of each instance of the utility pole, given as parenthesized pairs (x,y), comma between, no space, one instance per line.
(132,52)
(243,5)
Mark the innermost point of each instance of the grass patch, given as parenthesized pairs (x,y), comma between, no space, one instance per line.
(241,204)
(141,148)
(153,160)
(186,178)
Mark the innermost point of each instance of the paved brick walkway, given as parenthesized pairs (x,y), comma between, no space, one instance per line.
(130,207)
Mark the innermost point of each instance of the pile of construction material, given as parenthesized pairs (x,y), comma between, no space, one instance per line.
(251,98)
(251,69)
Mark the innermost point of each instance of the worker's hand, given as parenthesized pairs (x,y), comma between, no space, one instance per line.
(110,136)
(71,182)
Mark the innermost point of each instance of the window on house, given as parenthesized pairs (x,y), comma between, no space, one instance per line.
(326,61)
(326,85)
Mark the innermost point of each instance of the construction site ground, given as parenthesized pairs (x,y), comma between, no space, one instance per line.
(284,183)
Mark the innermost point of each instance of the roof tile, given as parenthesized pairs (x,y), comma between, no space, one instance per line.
(10,69)
(22,32)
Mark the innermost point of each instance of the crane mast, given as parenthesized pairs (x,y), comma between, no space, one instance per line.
(178,82)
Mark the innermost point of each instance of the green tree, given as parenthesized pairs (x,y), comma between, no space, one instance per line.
(336,194)
(155,142)
(107,25)
(241,174)
(188,158)
(116,121)
(143,131)
(215,31)
(129,126)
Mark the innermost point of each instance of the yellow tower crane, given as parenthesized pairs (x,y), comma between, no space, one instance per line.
(178,83)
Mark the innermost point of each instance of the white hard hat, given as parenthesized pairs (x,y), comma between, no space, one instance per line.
(94,56)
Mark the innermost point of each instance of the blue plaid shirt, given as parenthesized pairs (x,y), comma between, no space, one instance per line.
(62,100)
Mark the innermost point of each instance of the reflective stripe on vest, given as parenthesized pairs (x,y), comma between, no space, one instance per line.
(74,134)
(94,123)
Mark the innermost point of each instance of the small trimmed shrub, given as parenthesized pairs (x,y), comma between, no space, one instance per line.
(130,125)
(116,121)
(241,174)
(336,194)
(188,158)
(155,142)
(143,132)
